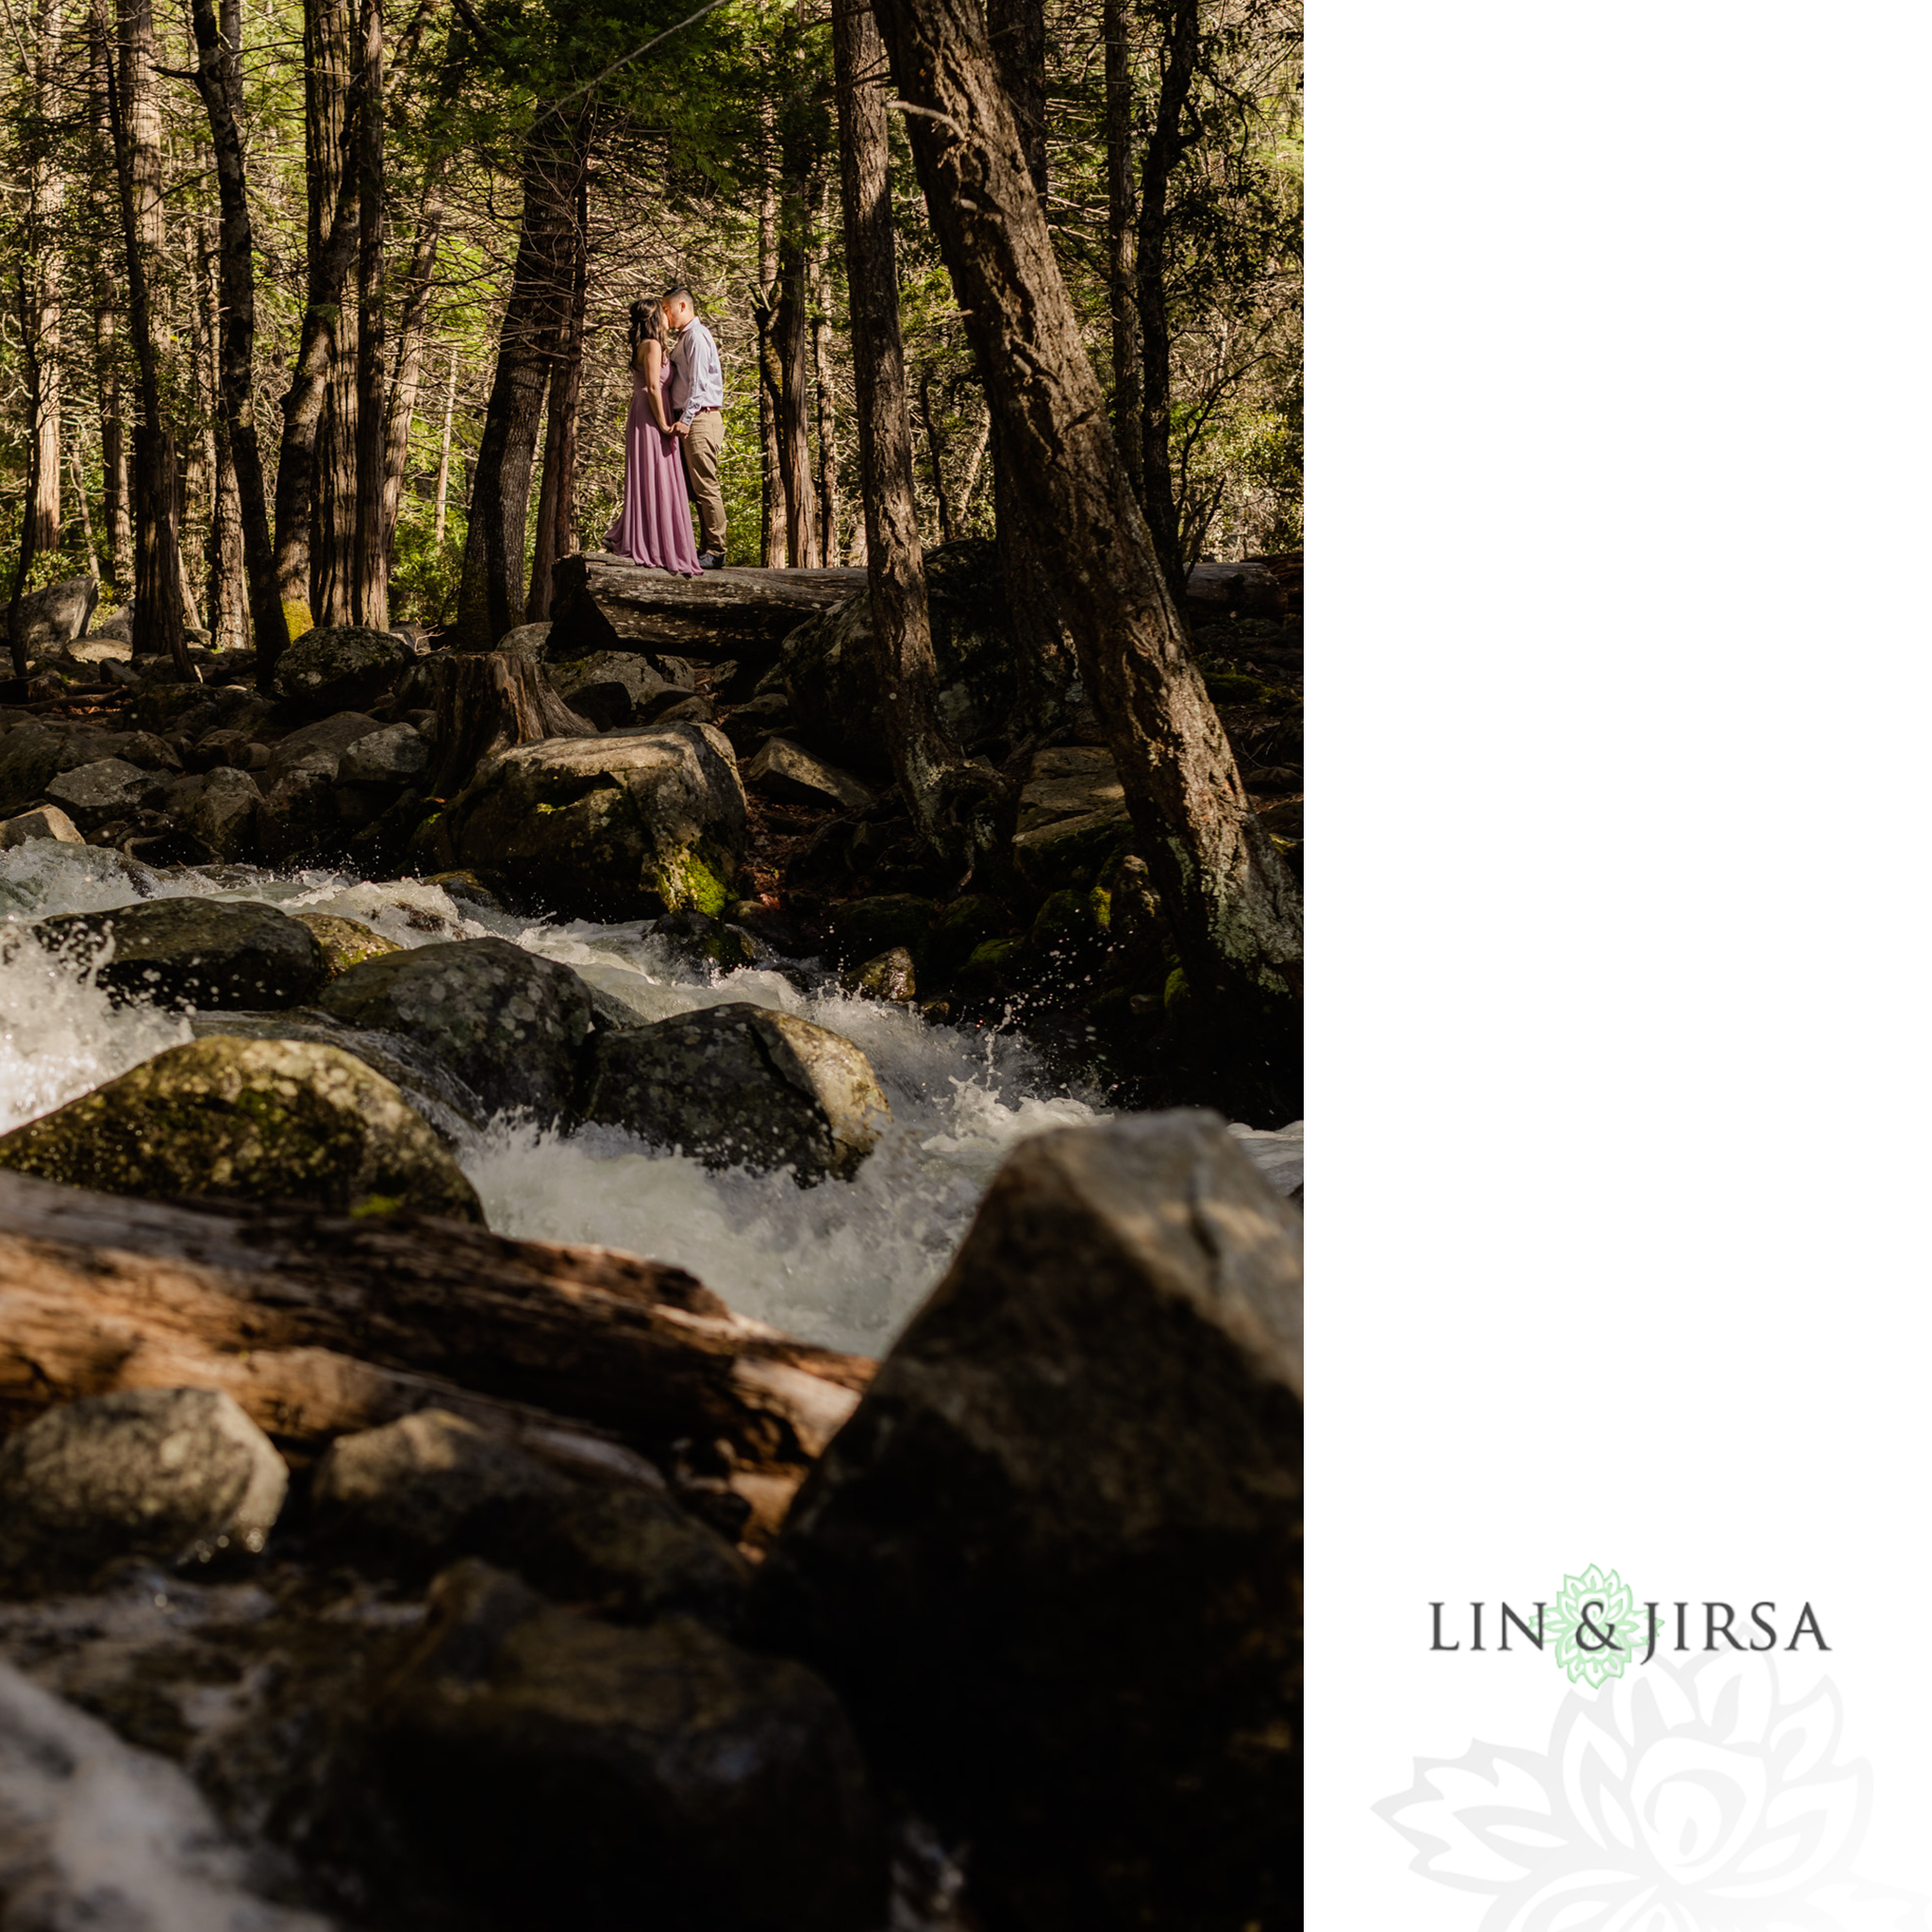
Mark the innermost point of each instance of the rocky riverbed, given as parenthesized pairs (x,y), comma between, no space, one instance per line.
(909,1535)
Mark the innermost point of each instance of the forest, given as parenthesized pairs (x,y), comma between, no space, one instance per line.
(361,281)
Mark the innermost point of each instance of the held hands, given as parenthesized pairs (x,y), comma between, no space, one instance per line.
(680,430)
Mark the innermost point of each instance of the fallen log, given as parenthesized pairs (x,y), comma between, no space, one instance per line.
(318,1324)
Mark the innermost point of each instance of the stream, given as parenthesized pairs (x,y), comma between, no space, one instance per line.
(843,1264)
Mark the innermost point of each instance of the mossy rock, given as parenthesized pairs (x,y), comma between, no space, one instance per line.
(341,667)
(1071,925)
(1232,688)
(212,954)
(961,927)
(253,1118)
(344,942)
(863,928)
(991,967)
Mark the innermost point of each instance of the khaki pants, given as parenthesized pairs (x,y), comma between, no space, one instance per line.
(701,449)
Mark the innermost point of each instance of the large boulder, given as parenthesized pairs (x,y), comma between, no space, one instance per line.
(164,1474)
(829,666)
(30,755)
(99,793)
(299,817)
(508,1023)
(567,1773)
(254,1118)
(1072,817)
(783,771)
(609,688)
(225,813)
(44,822)
(340,667)
(629,825)
(1053,1560)
(59,614)
(740,1085)
(200,952)
(417,1495)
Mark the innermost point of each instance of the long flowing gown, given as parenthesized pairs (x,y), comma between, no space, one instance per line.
(652,525)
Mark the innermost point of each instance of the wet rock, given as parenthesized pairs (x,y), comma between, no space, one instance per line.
(609,688)
(505,1022)
(255,1119)
(45,822)
(1072,817)
(1053,1560)
(30,756)
(98,794)
(419,1494)
(206,953)
(340,667)
(782,771)
(344,942)
(447,1102)
(566,1772)
(701,942)
(59,614)
(164,1474)
(829,675)
(742,1085)
(629,825)
(889,977)
(466,888)
(225,814)
(862,928)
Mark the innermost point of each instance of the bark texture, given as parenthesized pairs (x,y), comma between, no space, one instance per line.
(1121,282)
(951,799)
(338,94)
(218,78)
(556,498)
(1228,890)
(369,570)
(486,702)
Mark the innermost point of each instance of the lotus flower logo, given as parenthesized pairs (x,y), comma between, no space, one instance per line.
(1598,1630)
(1686,1799)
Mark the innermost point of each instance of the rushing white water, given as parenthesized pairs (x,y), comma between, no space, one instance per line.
(844,1263)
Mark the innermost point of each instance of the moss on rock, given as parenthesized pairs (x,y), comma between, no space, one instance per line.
(257,1119)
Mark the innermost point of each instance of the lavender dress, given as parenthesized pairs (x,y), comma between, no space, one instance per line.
(653,527)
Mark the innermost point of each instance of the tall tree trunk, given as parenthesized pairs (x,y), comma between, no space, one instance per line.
(490,602)
(135,128)
(48,194)
(117,533)
(1121,281)
(789,330)
(1180,52)
(950,799)
(771,379)
(368,564)
(1048,669)
(821,383)
(935,456)
(218,80)
(1226,889)
(411,337)
(449,416)
(25,286)
(968,477)
(332,72)
(86,527)
(556,498)
(331,252)
(227,579)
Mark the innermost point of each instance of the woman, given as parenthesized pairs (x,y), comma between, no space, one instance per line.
(653,526)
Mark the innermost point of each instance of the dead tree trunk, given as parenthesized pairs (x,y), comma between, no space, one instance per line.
(950,800)
(556,498)
(1169,143)
(490,602)
(370,571)
(135,128)
(1226,889)
(218,77)
(335,125)
(487,701)
(319,1325)
(1121,281)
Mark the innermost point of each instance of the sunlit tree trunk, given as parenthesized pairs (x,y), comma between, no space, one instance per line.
(369,566)
(556,498)
(48,192)
(227,583)
(333,66)
(771,379)
(821,383)
(116,531)
(449,416)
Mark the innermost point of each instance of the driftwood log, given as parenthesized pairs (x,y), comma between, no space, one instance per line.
(318,1325)
(486,702)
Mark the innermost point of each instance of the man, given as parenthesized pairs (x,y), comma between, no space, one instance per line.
(697,401)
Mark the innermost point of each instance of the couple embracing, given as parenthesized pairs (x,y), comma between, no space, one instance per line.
(672,441)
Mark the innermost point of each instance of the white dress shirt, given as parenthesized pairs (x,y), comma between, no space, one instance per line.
(697,377)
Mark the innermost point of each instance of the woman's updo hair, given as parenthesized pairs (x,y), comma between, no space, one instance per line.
(646,325)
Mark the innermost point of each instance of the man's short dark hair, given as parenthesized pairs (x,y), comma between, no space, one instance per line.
(672,295)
